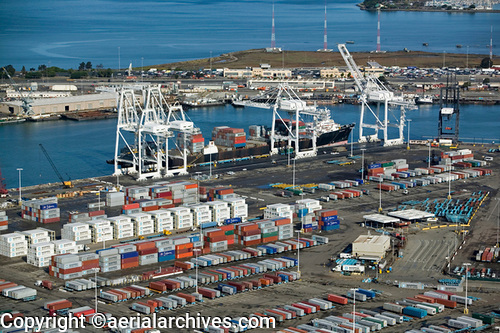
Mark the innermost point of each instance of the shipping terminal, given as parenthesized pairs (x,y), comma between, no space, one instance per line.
(291,225)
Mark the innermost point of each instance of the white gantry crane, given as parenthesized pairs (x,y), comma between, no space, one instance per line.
(26,100)
(146,122)
(372,91)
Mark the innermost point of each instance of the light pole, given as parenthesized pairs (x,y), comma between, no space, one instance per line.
(196,253)
(119,65)
(466,311)
(498,219)
(142,69)
(380,197)
(354,308)
(444,58)
(20,169)
(293,174)
(408,145)
(95,289)
(449,181)
(351,143)
(298,252)
(363,164)
(429,160)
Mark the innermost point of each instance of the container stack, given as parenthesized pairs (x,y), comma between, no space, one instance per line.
(166,250)
(143,224)
(306,206)
(115,199)
(78,232)
(66,266)
(201,214)
(133,193)
(129,257)
(39,254)
(328,219)
(109,260)
(95,215)
(218,239)
(148,253)
(183,247)
(183,218)
(248,234)
(65,246)
(183,192)
(4,220)
(101,231)
(269,231)
(13,245)
(229,137)
(131,208)
(219,211)
(77,217)
(163,220)
(122,226)
(256,131)
(221,193)
(41,210)
(36,236)
(237,208)
(90,262)
(285,228)
(193,142)
(278,210)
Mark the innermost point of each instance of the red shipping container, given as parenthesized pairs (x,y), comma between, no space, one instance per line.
(187,297)
(184,246)
(70,270)
(96,213)
(191,186)
(52,220)
(282,222)
(183,255)
(130,265)
(131,206)
(59,305)
(148,251)
(150,208)
(129,260)
(145,246)
(270,239)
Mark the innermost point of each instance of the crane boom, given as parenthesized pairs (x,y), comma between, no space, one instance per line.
(65,183)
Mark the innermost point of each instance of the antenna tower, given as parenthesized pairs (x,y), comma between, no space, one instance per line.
(273,35)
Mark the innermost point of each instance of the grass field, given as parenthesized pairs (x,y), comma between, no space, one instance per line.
(297,59)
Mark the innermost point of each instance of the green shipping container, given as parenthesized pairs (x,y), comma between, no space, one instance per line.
(485,318)
(270,234)
(229,232)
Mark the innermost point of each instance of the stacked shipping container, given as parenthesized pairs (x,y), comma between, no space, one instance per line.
(41,210)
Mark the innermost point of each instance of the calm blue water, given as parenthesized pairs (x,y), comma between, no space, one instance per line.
(80,149)
(66,32)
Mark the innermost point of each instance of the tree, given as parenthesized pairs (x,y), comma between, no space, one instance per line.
(79,74)
(486,63)
(81,67)
(33,75)
(88,65)
(32,69)
(486,80)
(11,70)
(23,70)
(42,68)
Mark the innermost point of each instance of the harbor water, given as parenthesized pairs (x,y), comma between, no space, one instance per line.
(115,32)
(80,149)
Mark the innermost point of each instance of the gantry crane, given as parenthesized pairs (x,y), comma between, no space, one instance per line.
(26,106)
(373,91)
(66,183)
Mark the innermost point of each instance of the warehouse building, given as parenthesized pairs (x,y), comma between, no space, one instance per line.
(371,246)
(102,101)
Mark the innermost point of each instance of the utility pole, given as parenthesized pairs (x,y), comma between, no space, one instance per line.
(20,197)
(362,163)
(467,264)
(298,252)
(408,145)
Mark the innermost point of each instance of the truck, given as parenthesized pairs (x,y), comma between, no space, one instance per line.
(44,284)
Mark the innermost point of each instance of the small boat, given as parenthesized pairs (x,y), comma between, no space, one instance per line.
(425,44)
(349,42)
(459,46)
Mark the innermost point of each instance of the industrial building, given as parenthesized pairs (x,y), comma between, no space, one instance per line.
(371,246)
(262,71)
(63,104)
(294,83)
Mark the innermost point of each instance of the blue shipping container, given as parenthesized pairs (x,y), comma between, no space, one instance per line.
(414,312)
(329,218)
(48,206)
(166,253)
(368,293)
(374,166)
(233,220)
(129,255)
(331,223)
(195,238)
(166,258)
(208,225)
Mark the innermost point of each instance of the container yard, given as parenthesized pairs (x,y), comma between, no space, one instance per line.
(231,246)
